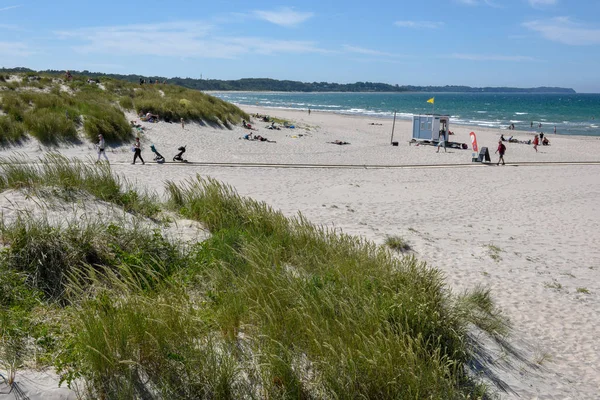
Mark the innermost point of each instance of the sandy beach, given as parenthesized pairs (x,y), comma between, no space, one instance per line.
(528,230)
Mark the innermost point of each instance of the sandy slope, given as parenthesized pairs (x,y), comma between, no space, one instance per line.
(530,233)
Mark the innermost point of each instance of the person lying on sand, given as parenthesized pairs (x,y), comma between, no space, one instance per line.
(263,139)
(149,117)
(339,142)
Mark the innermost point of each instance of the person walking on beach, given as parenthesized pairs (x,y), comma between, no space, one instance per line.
(536,141)
(137,149)
(309,111)
(441,141)
(182,124)
(101,147)
(501,150)
(532,124)
(555,129)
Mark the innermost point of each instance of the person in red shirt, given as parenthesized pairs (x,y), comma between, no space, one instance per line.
(501,150)
(536,141)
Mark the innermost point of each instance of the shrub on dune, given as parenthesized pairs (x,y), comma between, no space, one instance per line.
(11,131)
(109,122)
(50,127)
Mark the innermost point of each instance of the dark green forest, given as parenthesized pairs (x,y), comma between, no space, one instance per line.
(274,85)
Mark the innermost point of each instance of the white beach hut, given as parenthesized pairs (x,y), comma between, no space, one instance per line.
(427,128)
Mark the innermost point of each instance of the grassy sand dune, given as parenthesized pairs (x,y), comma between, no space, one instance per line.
(267,307)
(55,111)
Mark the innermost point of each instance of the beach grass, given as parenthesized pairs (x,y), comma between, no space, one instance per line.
(38,106)
(397,243)
(267,307)
(70,176)
(11,131)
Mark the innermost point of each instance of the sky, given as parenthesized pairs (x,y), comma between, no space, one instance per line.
(517,43)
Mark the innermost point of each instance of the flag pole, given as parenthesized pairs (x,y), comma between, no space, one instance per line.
(393,126)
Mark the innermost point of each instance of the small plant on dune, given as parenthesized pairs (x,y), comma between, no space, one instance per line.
(540,357)
(397,243)
(583,290)
(553,285)
(494,252)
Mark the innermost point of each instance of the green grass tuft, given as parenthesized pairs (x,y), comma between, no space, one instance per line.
(397,243)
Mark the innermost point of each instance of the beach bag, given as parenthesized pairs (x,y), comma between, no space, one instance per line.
(133,149)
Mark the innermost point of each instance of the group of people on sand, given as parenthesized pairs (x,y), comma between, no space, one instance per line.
(258,138)
(136,148)
(536,142)
(540,139)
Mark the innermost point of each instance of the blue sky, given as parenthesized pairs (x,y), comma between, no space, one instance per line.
(520,43)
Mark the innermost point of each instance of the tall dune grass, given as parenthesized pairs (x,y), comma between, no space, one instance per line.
(55,170)
(11,131)
(267,307)
(54,116)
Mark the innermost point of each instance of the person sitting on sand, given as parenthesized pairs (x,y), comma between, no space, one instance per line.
(545,142)
(502,138)
(339,142)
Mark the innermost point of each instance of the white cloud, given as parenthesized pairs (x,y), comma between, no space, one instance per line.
(563,30)
(490,57)
(9,8)
(542,3)
(419,24)
(182,39)
(15,49)
(370,52)
(284,17)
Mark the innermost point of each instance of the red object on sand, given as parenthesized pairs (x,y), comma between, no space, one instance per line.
(474,142)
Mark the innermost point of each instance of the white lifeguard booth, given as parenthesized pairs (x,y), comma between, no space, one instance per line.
(428,127)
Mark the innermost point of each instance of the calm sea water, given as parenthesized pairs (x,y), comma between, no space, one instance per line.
(572,114)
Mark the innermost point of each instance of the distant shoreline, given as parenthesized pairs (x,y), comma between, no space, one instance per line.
(251,109)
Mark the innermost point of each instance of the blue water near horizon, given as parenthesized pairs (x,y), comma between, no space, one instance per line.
(572,114)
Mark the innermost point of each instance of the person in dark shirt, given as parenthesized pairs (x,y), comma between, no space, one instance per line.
(501,150)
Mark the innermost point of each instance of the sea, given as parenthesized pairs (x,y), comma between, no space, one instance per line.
(571,114)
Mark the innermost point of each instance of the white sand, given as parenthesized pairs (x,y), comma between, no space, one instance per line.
(543,218)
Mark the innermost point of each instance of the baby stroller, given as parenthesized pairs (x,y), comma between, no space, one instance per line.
(157,156)
(179,156)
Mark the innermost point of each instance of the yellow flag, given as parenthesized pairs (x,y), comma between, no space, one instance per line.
(431,100)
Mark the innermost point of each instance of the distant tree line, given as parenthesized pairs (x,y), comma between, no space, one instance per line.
(274,85)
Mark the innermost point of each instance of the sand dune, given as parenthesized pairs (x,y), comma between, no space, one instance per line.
(528,232)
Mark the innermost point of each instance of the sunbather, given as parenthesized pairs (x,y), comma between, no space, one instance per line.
(340,142)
